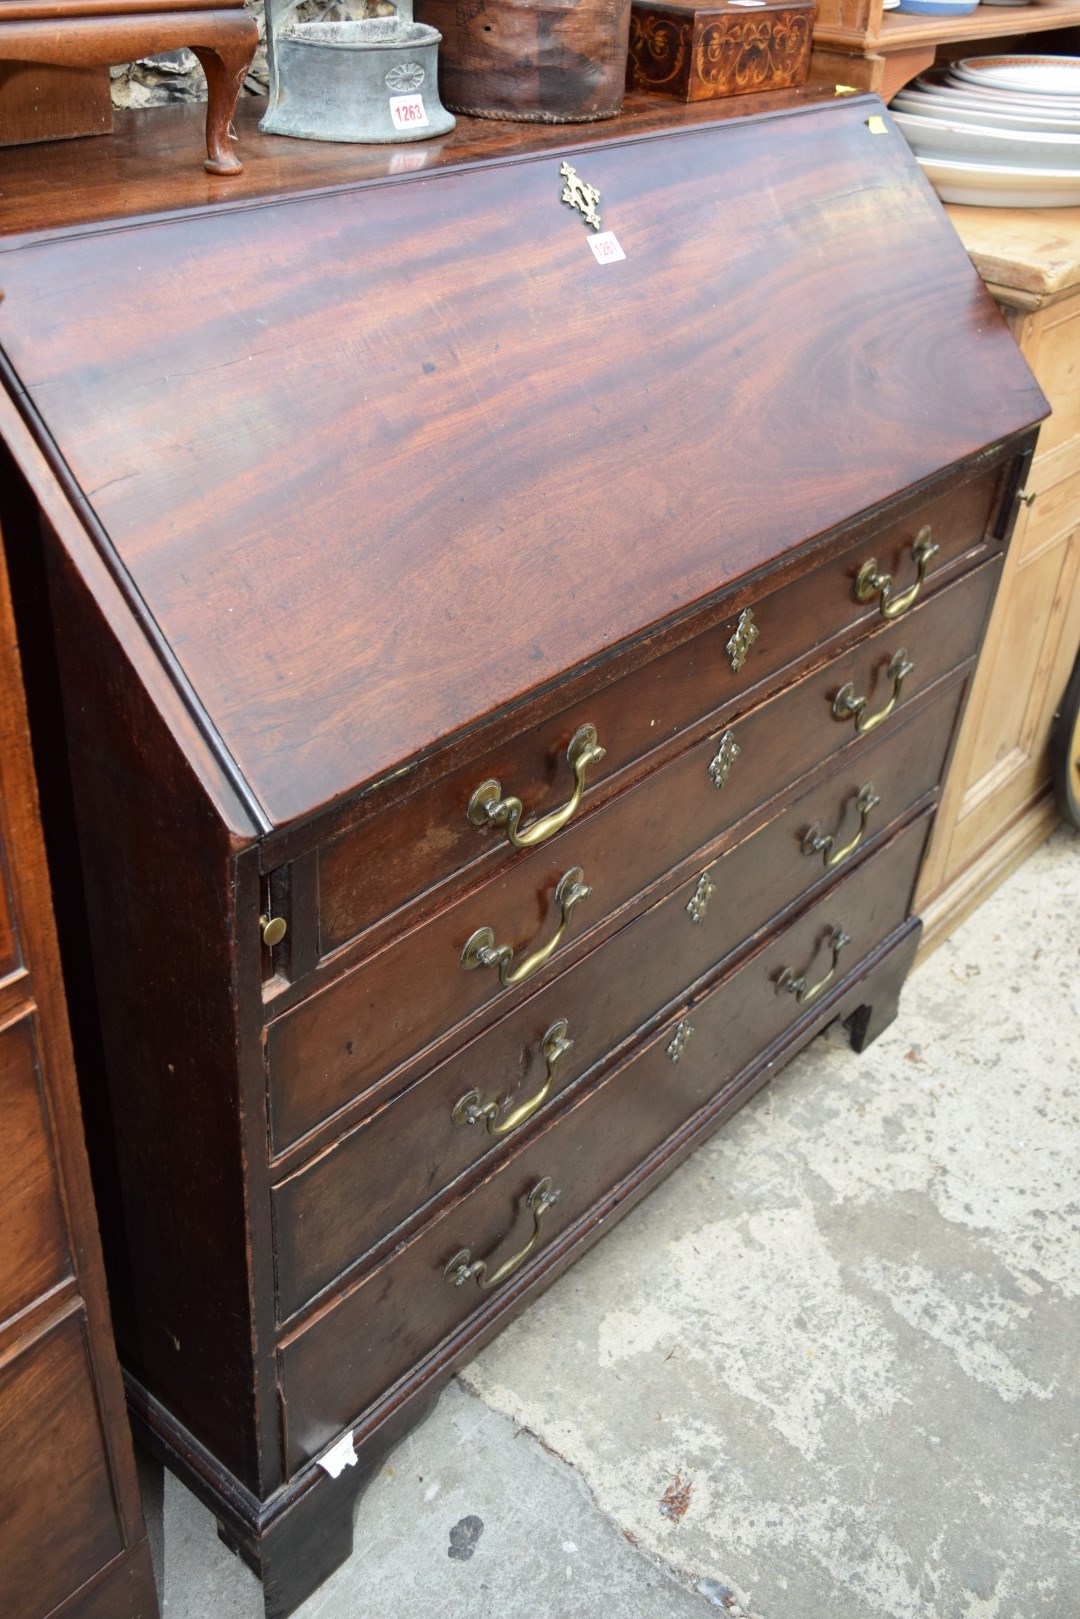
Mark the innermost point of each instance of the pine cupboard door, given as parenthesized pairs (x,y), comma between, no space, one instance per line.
(71,1531)
(999,804)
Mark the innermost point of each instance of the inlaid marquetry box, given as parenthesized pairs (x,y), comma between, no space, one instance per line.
(697,52)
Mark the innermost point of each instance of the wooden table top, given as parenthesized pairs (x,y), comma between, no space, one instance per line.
(1032,251)
(151,164)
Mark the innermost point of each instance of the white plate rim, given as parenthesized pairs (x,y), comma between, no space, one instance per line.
(998,72)
(951,142)
(919,107)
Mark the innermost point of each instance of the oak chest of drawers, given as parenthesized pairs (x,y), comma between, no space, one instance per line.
(507,691)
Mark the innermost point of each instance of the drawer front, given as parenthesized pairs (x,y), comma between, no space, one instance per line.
(330,1213)
(427,837)
(58,1523)
(332,1370)
(339,1043)
(34,1252)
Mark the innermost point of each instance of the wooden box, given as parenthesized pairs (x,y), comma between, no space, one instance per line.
(699,52)
(507,689)
(537,61)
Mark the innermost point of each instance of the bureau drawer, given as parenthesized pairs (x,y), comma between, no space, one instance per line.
(427,837)
(338,1043)
(34,1252)
(329,1214)
(337,1366)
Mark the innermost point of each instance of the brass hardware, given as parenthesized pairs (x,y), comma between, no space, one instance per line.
(274,929)
(869,582)
(726,755)
(487,807)
(679,1040)
(847,706)
(877,125)
(797,985)
(698,902)
(463,1268)
(580,196)
(482,951)
(817,842)
(1026,498)
(746,633)
(475,1107)
(845,90)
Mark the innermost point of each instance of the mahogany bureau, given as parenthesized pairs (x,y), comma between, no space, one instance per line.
(507,692)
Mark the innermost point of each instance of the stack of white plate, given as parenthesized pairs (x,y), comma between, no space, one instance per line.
(997,131)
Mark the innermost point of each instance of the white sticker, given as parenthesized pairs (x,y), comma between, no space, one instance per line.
(339,1457)
(606,248)
(407,112)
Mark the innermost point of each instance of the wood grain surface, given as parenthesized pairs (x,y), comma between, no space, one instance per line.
(353,1352)
(294,454)
(407,1152)
(70,1515)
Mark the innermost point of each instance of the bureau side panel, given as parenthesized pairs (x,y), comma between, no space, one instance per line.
(162,1067)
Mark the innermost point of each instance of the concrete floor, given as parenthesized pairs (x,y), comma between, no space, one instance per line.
(829,1370)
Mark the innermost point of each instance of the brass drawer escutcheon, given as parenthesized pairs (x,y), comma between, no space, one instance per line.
(847,706)
(487,807)
(698,902)
(746,633)
(726,755)
(796,984)
(680,1040)
(823,843)
(475,1108)
(869,582)
(482,951)
(463,1268)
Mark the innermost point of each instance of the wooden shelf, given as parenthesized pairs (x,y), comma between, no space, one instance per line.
(891,32)
(883,51)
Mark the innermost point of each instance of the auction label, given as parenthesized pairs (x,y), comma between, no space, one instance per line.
(407,112)
(606,247)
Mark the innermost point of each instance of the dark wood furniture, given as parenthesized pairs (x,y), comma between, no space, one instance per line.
(434,530)
(72,1540)
(40,103)
(84,34)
